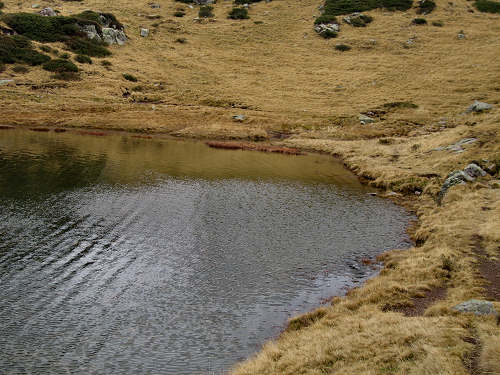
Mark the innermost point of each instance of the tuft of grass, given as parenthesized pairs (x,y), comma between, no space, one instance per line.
(181,40)
(20,69)
(65,56)
(106,63)
(60,66)
(46,49)
(342,47)
(306,320)
(438,23)
(487,6)
(83,59)
(206,11)
(179,14)
(327,34)
(130,77)
(419,21)
(238,14)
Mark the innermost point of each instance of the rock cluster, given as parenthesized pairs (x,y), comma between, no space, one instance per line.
(469,174)
(108,34)
(478,107)
(323,28)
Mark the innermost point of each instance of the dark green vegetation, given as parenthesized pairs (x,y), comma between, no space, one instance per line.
(395,105)
(425,6)
(419,21)
(130,77)
(340,7)
(18,49)
(64,29)
(83,59)
(181,40)
(342,47)
(60,66)
(361,21)
(179,14)
(488,6)
(106,63)
(325,18)
(241,2)
(238,14)
(20,69)
(1,5)
(328,34)
(438,23)
(206,11)
(65,56)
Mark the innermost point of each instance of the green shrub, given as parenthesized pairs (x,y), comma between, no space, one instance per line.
(239,14)
(328,34)
(46,49)
(106,63)
(241,2)
(65,56)
(425,6)
(361,21)
(88,47)
(66,76)
(60,65)
(394,5)
(325,18)
(130,77)
(206,11)
(438,23)
(419,21)
(98,18)
(487,6)
(366,18)
(83,59)
(181,40)
(179,14)
(20,69)
(342,47)
(1,5)
(2,68)
(18,49)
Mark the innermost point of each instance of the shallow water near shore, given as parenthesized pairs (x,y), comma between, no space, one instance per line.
(121,255)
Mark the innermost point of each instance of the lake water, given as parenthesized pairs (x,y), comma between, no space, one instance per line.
(121,255)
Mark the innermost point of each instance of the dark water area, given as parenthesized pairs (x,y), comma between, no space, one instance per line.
(150,256)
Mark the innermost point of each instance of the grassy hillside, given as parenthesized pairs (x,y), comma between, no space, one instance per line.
(294,88)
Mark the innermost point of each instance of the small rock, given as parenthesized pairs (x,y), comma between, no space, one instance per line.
(476,307)
(190,7)
(474,170)
(144,33)
(478,107)
(47,12)
(35,6)
(327,27)
(239,118)
(461,35)
(5,81)
(153,16)
(154,5)
(417,192)
(372,194)
(365,119)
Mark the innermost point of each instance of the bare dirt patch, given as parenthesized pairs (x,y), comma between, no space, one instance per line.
(488,268)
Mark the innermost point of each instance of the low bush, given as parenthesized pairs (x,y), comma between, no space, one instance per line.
(425,6)
(130,77)
(241,2)
(438,24)
(238,14)
(83,59)
(18,49)
(181,40)
(2,68)
(2,5)
(88,47)
(395,105)
(20,69)
(325,18)
(206,11)
(342,47)
(487,6)
(46,49)
(419,21)
(66,76)
(361,21)
(60,66)
(328,34)
(65,56)
(179,14)
(341,7)
(106,63)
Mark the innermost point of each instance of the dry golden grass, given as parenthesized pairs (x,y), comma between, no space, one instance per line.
(285,79)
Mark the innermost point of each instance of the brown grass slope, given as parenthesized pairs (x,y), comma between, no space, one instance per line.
(288,81)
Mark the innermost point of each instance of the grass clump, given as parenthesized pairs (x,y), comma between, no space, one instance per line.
(18,49)
(487,6)
(395,105)
(361,21)
(206,11)
(20,69)
(438,23)
(181,40)
(179,13)
(419,21)
(83,59)
(88,47)
(425,6)
(342,47)
(106,63)
(328,34)
(325,19)
(65,56)
(130,77)
(60,66)
(238,14)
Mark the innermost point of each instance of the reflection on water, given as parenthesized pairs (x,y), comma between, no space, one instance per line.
(131,256)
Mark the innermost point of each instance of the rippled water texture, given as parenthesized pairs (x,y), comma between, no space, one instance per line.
(146,256)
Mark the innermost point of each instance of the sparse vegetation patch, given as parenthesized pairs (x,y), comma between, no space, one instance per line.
(18,49)
(130,77)
(60,65)
(342,47)
(239,14)
(419,21)
(425,6)
(488,6)
(83,59)
(206,11)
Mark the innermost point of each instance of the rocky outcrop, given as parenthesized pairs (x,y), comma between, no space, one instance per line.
(476,307)
(469,174)
(478,107)
(48,12)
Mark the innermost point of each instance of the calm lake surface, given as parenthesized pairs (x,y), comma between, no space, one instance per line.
(121,255)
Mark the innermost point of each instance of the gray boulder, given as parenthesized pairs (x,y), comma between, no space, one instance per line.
(112,36)
(91,32)
(144,33)
(239,118)
(5,81)
(478,107)
(365,119)
(48,12)
(476,307)
(474,170)
(327,27)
